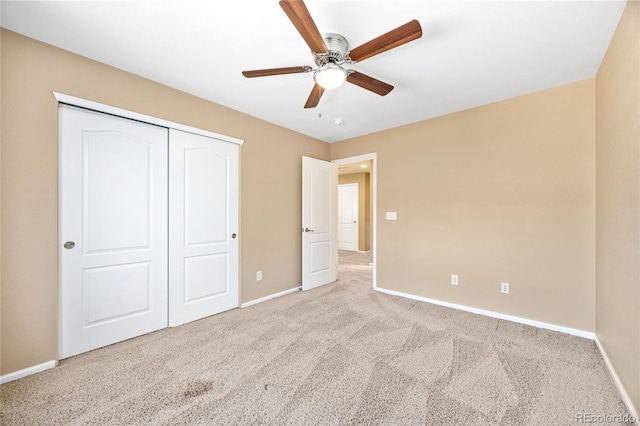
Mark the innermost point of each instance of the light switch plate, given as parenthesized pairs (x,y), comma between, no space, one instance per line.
(392,216)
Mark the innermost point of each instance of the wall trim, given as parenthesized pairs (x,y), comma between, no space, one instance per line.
(96,106)
(616,379)
(273,296)
(27,372)
(538,324)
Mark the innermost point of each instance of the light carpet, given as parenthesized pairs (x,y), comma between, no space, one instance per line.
(339,354)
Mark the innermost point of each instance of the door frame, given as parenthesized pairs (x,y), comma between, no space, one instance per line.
(374,194)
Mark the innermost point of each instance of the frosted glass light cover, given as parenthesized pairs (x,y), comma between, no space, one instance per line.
(330,76)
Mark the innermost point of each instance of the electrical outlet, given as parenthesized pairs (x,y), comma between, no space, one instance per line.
(259,276)
(454,280)
(504,288)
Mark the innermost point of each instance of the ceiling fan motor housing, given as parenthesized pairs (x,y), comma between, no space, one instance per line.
(337,48)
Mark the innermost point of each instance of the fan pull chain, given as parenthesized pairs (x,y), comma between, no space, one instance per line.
(339,120)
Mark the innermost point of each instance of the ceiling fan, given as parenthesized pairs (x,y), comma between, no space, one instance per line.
(331,53)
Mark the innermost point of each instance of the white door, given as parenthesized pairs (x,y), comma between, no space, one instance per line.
(113,229)
(348,217)
(319,219)
(203,227)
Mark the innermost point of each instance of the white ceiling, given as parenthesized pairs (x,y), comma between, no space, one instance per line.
(471,53)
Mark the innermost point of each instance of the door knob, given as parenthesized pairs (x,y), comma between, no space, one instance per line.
(234,235)
(354,221)
(308,230)
(69,245)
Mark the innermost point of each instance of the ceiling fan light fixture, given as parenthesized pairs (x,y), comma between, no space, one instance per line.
(330,76)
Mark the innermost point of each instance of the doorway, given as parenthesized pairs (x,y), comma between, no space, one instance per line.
(361,169)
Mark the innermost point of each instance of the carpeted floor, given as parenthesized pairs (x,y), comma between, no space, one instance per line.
(339,354)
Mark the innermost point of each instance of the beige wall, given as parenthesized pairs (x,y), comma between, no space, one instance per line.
(364,214)
(270,184)
(618,201)
(504,192)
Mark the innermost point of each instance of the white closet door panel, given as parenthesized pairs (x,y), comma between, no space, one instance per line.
(203,226)
(112,292)
(206,196)
(205,276)
(113,211)
(116,195)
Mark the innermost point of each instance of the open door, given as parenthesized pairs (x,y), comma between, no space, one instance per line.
(319,222)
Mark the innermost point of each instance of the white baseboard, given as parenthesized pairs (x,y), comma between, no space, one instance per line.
(273,296)
(26,372)
(623,392)
(539,324)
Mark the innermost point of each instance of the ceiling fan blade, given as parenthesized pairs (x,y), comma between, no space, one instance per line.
(275,71)
(314,97)
(394,38)
(302,20)
(369,83)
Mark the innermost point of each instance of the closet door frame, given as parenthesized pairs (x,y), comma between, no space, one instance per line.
(108,109)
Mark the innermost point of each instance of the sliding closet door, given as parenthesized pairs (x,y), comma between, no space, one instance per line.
(203,227)
(113,229)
